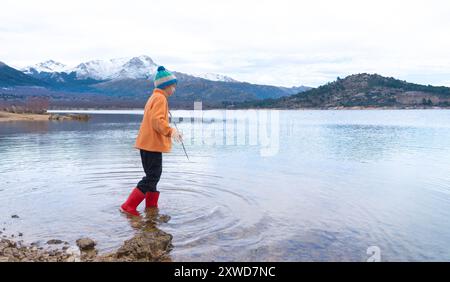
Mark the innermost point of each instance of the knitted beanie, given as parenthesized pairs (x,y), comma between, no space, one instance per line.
(164,78)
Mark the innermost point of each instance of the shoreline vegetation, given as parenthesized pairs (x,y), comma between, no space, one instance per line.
(10,117)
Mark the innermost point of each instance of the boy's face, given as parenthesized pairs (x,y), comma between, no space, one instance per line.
(170,90)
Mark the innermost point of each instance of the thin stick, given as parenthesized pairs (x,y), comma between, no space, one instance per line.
(182,144)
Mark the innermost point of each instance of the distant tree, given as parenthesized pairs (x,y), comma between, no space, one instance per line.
(427,102)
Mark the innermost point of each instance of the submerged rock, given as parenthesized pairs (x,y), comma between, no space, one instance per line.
(163,218)
(80,117)
(54,242)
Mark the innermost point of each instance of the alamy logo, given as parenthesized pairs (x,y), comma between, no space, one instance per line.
(232,128)
(375,254)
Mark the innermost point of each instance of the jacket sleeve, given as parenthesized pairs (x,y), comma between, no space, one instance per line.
(158,121)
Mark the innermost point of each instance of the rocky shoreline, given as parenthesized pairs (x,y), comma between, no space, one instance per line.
(7,116)
(11,251)
(149,244)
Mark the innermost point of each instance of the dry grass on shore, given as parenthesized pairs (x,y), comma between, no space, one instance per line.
(7,116)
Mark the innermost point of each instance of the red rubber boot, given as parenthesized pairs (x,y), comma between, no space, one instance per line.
(151,199)
(130,205)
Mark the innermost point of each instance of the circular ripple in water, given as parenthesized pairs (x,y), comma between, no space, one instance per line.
(206,219)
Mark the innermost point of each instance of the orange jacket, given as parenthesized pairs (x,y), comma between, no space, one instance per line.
(155,132)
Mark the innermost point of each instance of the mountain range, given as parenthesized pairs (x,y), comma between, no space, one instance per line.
(12,77)
(127,82)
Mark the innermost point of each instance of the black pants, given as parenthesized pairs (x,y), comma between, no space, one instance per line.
(152,163)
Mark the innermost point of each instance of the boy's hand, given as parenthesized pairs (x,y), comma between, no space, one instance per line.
(177,136)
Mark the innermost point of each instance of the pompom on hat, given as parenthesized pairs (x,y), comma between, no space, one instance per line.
(164,78)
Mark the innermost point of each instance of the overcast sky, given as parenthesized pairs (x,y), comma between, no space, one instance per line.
(279,42)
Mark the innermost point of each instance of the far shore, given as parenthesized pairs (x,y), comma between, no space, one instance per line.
(88,110)
(80,114)
(10,117)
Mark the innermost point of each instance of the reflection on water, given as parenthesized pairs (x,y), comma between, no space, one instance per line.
(342,181)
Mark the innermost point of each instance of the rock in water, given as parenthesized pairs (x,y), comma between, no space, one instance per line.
(86,244)
(79,117)
(145,246)
(54,242)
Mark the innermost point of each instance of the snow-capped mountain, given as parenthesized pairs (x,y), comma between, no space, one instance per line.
(141,67)
(120,68)
(47,66)
(215,77)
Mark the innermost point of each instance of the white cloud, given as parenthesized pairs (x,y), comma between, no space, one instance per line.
(274,42)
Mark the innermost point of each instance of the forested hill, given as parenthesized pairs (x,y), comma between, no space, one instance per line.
(361,90)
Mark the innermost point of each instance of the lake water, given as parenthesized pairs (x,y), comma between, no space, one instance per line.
(337,186)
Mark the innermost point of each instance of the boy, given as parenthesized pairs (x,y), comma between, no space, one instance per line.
(154,138)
